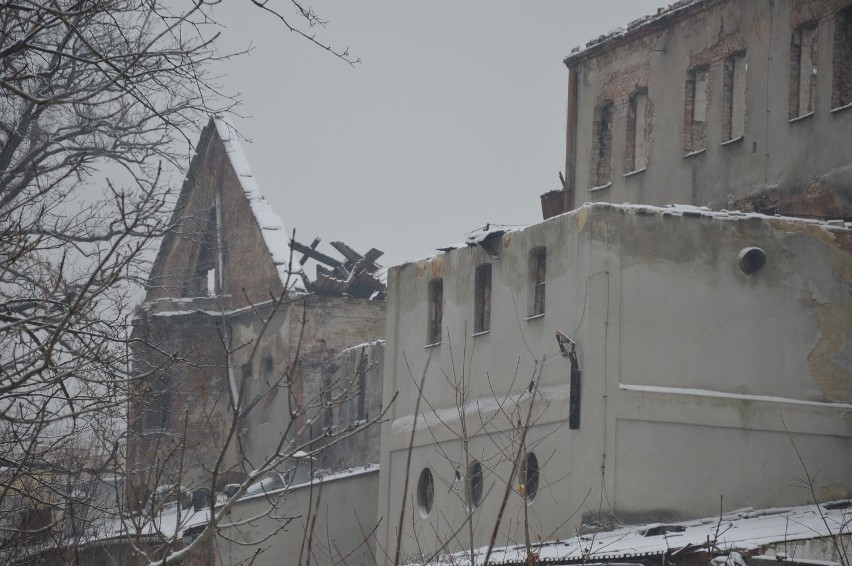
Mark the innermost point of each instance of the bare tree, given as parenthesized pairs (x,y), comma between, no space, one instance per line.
(99,101)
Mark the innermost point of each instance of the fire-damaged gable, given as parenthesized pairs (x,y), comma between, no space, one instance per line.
(224,238)
(237,347)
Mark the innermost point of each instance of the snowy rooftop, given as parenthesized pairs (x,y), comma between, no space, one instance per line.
(482,236)
(662,16)
(746,530)
(274,233)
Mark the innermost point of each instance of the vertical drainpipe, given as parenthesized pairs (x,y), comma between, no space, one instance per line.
(570,137)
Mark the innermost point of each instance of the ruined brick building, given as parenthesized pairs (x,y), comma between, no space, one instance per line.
(231,317)
(719,103)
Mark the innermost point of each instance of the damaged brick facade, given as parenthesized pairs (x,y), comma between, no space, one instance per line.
(217,330)
(747,107)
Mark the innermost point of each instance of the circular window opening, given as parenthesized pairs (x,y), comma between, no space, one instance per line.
(529,477)
(751,260)
(474,483)
(425,492)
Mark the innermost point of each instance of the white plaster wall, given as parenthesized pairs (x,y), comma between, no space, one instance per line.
(345,511)
(688,366)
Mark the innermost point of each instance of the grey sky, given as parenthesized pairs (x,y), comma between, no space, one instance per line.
(454,118)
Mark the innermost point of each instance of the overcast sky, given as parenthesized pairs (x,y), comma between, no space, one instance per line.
(454,118)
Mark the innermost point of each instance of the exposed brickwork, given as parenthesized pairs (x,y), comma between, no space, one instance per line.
(803,12)
(191,348)
(621,85)
(717,53)
(183,448)
(180,270)
(841,83)
(818,200)
(804,62)
(602,144)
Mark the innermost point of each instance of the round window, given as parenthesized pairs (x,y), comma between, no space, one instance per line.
(474,483)
(425,492)
(529,477)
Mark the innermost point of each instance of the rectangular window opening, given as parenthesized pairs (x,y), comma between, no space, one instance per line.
(538,274)
(695,114)
(363,367)
(841,83)
(638,133)
(803,70)
(602,150)
(482,298)
(734,97)
(436,308)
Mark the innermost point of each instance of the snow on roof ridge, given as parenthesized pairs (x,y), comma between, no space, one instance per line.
(275,235)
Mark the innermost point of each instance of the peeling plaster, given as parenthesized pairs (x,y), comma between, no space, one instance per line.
(831,359)
(580,217)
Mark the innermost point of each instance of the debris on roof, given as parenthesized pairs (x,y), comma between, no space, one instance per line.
(357,276)
(488,237)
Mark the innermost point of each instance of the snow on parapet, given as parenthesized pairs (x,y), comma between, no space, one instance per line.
(662,14)
(271,228)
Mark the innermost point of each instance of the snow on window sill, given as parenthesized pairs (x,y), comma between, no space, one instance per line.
(841,108)
(634,172)
(600,187)
(732,141)
(800,118)
(480,333)
(694,153)
(432,345)
(535,316)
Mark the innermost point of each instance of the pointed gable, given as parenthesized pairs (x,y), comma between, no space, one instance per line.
(224,239)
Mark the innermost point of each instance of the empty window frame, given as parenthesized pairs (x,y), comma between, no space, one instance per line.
(363,368)
(602,145)
(803,70)
(538,274)
(482,298)
(841,83)
(638,132)
(202,280)
(695,112)
(436,311)
(734,97)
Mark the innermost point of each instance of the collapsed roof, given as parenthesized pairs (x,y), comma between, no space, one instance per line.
(356,275)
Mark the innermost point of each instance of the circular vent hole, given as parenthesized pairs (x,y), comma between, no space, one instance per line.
(751,260)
